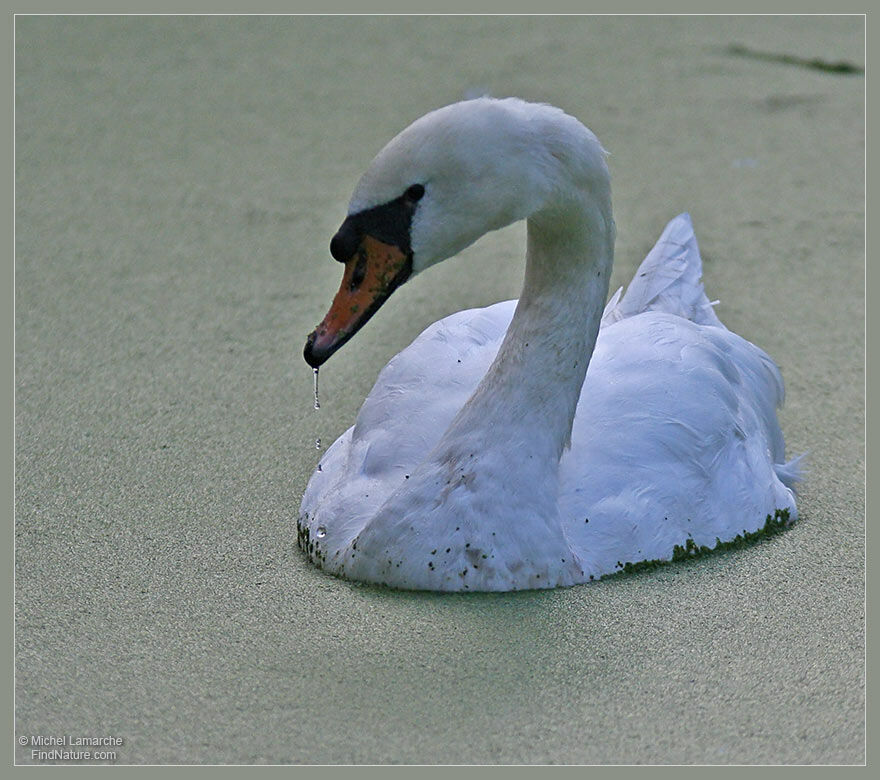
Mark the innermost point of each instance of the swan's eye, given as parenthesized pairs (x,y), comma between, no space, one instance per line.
(415,192)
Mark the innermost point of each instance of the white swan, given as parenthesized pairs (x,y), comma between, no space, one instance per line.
(467,467)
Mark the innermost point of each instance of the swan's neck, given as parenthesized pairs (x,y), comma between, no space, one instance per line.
(525,404)
(544,356)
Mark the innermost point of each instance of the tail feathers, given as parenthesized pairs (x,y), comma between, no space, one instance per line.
(791,472)
(668,280)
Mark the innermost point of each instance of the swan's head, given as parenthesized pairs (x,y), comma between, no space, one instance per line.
(447,179)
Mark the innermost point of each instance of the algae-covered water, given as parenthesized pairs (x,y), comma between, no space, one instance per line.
(178,180)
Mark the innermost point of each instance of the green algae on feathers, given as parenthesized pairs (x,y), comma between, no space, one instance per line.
(775,524)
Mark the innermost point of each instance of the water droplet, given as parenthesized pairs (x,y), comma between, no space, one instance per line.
(317,402)
(321,532)
(317,444)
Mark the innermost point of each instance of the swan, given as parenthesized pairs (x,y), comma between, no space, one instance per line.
(487,457)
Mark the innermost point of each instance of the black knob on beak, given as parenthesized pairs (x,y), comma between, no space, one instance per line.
(345,243)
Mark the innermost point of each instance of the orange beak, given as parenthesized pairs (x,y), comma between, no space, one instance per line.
(372,273)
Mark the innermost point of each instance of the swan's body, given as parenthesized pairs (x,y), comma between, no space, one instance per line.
(487,457)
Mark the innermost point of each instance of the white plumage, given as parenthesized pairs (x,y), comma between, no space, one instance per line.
(483,458)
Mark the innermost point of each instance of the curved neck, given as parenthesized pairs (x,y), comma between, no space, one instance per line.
(530,393)
(552,335)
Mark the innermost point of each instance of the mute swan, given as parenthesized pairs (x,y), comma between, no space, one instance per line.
(483,459)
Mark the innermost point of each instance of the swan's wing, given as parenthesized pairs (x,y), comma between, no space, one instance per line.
(668,280)
(675,437)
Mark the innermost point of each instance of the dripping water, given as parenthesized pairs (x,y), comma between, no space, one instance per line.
(317,406)
(317,403)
